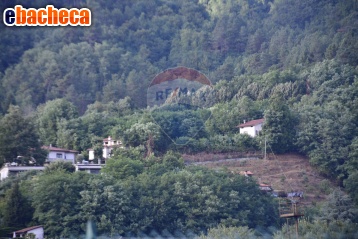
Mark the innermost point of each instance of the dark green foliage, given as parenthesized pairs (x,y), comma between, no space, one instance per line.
(49,117)
(351,184)
(227,116)
(122,52)
(327,124)
(171,161)
(57,166)
(56,201)
(279,126)
(162,196)
(105,204)
(122,168)
(195,199)
(180,123)
(17,211)
(338,207)
(18,137)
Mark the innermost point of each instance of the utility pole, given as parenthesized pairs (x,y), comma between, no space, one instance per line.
(265,147)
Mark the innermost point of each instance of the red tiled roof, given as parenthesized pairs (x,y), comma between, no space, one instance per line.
(246,172)
(28,229)
(251,123)
(50,148)
(264,185)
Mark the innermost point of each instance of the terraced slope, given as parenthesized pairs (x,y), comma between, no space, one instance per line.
(288,172)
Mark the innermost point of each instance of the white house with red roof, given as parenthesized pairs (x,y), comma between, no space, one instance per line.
(37,231)
(55,154)
(252,127)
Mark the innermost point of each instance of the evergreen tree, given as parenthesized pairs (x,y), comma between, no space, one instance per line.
(19,138)
(279,126)
(17,210)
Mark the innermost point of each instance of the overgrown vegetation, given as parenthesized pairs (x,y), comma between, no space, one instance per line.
(163,196)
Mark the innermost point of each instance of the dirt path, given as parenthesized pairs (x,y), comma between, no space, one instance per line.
(222,161)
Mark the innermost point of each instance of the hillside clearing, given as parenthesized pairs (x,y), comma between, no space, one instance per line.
(287,172)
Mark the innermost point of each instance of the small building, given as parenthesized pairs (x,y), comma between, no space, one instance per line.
(265,187)
(252,127)
(12,170)
(37,231)
(91,154)
(108,145)
(55,154)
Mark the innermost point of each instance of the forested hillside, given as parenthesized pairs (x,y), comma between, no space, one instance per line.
(131,41)
(294,63)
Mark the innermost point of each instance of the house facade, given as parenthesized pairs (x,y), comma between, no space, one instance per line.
(55,154)
(108,145)
(37,231)
(252,127)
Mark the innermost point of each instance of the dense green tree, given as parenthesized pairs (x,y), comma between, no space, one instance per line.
(73,134)
(121,167)
(49,117)
(171,161)
(106,204)
(227,116)
(351,184)
(194,200)
(17,210)
(327,124)
(139,134)
(56,201)
(18,139)
(59,166)
(338,207)
(279,126)
(177,121)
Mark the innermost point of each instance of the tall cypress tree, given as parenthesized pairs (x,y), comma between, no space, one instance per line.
(17,210)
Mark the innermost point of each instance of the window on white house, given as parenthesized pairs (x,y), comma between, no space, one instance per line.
(59,156)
